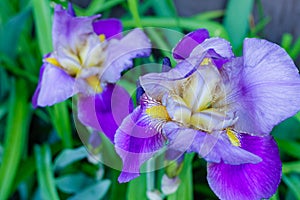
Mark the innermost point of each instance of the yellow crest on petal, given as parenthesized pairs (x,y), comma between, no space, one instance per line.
(233,138)
(53,61)
(94,82)
(205,61)
(158,112)
(102,37)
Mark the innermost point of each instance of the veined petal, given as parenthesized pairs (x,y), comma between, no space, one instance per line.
(248,181)
(212,119)
(110,28)
(177,109)
(220,46)
(265,87)
(157,85)
(136,141)
(68,31)
(201,87)
(121,52)
(54,86)
(186,45)
(105,111)
(214,147)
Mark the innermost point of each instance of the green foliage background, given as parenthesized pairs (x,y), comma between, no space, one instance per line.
(41,155)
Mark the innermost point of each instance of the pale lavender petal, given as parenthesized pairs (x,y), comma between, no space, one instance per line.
(136,142)
(69,31)
(186,45)
(265,87)
(248,181)
(158,84)
(111,28)
(105,111)
(213,147)
(220,46)
(120,54)
(54,86)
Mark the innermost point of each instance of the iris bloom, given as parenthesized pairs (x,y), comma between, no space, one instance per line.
(219,106)
(88,58)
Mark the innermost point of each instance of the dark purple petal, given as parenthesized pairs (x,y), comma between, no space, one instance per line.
(54,86)
(248,181)
(105,111)
(166,64)
(120,54)
(111,28)
(188,43)
(71,10)
(136,141)
(38,88)
(213,147)
(69,31)
(265,87)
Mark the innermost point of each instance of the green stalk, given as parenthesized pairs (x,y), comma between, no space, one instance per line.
(189,24)
(45,172)
(132,4)
(15,135)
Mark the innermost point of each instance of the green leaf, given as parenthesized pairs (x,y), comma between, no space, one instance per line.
(42,19)
(10,33)
(290,167)
(185,189)
(133,8)
(290,147)
(190,24)
(69,156)
(15,136)
(137,188)
(98,6)
(73,183)
(295,50)
(286,41)
(236,20)
(293,182)
(45,172)
(96,191)
(60,119)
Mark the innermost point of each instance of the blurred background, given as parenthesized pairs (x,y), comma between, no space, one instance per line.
(41,155)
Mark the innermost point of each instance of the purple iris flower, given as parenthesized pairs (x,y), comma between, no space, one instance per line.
(87,59)
(217,105)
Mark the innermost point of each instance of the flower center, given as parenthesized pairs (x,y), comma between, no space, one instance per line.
(85,62)
(202,102)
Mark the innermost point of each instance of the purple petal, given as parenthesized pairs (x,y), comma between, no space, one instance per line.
(248,181)
(54,86)
(111,28)
(212,147)
(71,10)
(220,46)
(68,31)
(265,87)
(136,141)
(188,43)
(38,88)
(121,52)
(166,64)
(105,111)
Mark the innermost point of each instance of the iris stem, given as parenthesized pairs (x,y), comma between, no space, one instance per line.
(150,175)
